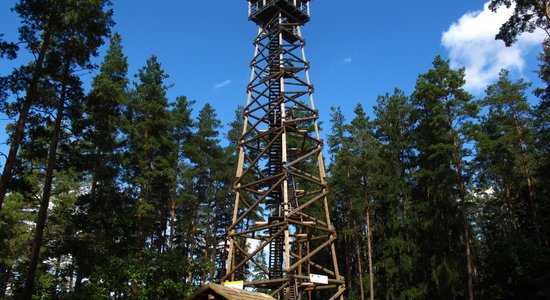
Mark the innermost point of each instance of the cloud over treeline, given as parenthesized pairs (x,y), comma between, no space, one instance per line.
(471,43)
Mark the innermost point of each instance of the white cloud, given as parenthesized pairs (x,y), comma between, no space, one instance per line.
(222,84)
(471,44)
(347,60)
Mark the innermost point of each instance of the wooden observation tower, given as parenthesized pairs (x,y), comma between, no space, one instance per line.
(281,238)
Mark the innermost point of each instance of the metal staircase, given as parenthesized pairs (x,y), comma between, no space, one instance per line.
(274,163)
(276,251)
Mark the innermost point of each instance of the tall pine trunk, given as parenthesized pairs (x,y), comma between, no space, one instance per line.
(172,220)
(191,250)
(173,203)
(360,268)
(95,182)
(369,237)
(140,238)
(349,279)
(46,195)
(143,196)
(369,251)
(529,179)
(217,214)
(19,132)
(463,209)
(192,237)
(510,208)
(161,230)
(140,234)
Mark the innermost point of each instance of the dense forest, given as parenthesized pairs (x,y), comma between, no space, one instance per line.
(118,192)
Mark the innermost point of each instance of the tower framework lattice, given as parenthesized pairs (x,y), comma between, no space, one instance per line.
(281,237)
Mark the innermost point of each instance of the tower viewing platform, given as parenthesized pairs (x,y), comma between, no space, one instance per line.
(262,11)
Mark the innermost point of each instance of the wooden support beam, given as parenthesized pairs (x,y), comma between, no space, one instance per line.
(253,206)
(309,255)
(255,229)
(253,260)
(260,248)
(308,203)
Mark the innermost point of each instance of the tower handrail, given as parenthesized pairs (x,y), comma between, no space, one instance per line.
(258,6)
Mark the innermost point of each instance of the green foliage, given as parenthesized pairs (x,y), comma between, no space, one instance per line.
(528,15)
(510,251)
(156,276)
(8,49)
(83,23)
(541,126)
(15,236)
(395,251)
(211,181)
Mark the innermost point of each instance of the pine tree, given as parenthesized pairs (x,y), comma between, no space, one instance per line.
(365,150)
(181,136)
(354,180)
(183,125)
(527,17)
(207,169)
(542,126)
(148,166)
(508,98)
(103,215)
(26,186)
(70,92)
(397,251)
(513,239)
(342,190)
(443,110)
(8,49)
(15,236)
(47,28)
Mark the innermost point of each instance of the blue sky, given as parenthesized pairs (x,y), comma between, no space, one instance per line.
(358,49)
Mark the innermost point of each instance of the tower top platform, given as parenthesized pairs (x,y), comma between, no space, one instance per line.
(263,11)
